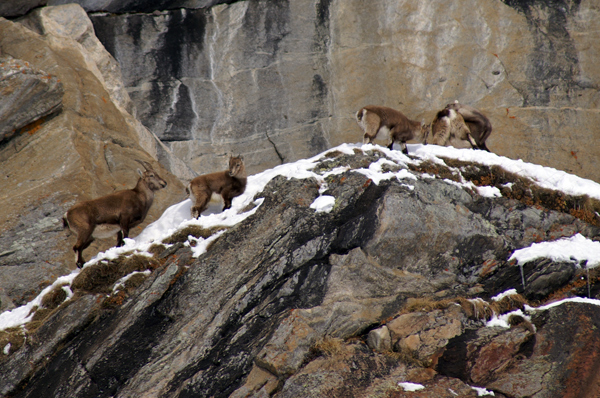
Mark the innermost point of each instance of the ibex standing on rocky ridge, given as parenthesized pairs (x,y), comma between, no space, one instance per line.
(228,184)
(117,212)
(479,125)
(374,119)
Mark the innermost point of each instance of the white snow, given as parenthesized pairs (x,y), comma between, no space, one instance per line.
(500,296)
(178,216)
(6,349)
(482,391)
(490,192)
(502,320)
(576,248)
(323,204)
(410,387)
(581,300)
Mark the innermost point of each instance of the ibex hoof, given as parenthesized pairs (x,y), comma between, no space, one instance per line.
(195,212)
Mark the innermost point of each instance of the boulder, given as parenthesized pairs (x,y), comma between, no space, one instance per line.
(26,95)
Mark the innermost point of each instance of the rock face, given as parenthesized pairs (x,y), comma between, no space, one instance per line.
(279,81)
(86,150)
(291,297)
(26,96)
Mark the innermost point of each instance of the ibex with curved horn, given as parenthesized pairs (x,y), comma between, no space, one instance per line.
(229,184)
(117,212)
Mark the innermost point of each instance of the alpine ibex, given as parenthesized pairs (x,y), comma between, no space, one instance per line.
(479,125)
(375,119)
(117,212)
(447,125)
(228,184)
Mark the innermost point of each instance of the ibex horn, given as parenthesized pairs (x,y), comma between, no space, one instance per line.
(146,165)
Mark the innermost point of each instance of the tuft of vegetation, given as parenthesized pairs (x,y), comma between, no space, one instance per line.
(407,356)
(156,249)
(327,347)
(100,277)
(15,337)
(474,308)
(54,298)
(526,191)
(429,167)
(194,230)
(333,154)
(135,281)
(425,304)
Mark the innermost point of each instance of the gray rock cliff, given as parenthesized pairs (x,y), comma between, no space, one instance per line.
(278,81)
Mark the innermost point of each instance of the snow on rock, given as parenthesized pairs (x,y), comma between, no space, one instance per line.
(323,204)
(507,293)
(411,387)
(178,216)
(483,392)
(576,248)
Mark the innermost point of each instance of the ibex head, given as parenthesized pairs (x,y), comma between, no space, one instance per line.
(150,177)
(236,165)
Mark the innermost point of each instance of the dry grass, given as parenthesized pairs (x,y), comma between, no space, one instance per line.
(157,249)
(194,230)
(135,281)
(328,347)
(528,192)
(474,308)
(14,336)
(100,277)
(439,170)
(54,298)
(333,154)
(407,356)
(424,304)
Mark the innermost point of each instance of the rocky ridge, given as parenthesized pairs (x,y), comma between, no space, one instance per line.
(393,284)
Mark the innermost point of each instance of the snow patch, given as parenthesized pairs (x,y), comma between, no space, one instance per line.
(574,249)
(410,387)
(323,204)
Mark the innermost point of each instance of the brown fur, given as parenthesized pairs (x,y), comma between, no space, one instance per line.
(479,125)
(228,184)
(448,125)
(375,119)
(121,211)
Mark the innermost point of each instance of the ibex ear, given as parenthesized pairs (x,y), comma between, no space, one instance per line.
(140,172)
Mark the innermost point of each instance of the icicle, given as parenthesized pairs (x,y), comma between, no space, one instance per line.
(522,275)
(587,271)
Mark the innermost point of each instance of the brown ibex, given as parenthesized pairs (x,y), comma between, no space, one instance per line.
(448,125)
(374,119)
(228,184)
(117,212)
(479,125)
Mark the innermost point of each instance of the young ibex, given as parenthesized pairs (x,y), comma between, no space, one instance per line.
(117,212)
(479,125)
(375,119)
(448,125)
(228,184)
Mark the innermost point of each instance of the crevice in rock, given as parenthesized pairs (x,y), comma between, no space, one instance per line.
(279,155)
